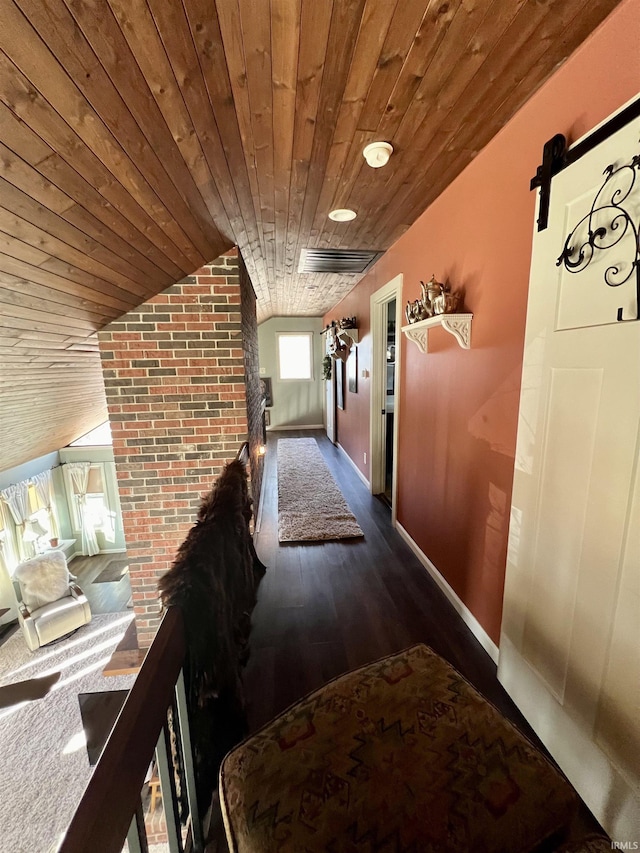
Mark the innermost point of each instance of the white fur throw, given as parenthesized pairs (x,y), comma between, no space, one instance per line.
(43,579)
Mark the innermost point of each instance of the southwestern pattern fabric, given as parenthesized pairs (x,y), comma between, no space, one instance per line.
(400,755)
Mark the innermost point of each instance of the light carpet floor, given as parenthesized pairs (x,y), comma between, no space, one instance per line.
(43,756)
(310,504)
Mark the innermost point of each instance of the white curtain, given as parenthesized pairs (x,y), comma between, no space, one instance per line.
(17,499)
(79,472)
(6,588)
(44,489)
(8,551)
(109,526)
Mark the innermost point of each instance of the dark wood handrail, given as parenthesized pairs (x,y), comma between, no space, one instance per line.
(109,802)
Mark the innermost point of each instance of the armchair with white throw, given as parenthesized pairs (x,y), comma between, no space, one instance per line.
(50,603)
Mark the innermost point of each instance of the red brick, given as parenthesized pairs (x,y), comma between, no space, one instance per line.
(152,541)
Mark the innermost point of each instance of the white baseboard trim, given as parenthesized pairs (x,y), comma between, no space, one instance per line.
(104,551)
(294,426)
(461,608)
(354,466)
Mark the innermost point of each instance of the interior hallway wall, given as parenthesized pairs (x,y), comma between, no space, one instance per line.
(458,411)
(253,392)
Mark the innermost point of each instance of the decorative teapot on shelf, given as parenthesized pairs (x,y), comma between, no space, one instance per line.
(446,303)
(415,311)
(437,298)
(430,292)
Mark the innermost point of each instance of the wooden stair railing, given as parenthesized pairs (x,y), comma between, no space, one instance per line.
(110,810)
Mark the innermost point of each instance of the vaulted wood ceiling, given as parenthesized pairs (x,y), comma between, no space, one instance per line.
(142,138)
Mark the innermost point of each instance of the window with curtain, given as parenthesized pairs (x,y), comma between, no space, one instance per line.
(89,505)
(96,507)
(44,501)
(15,500)
(38,525)
(29,517)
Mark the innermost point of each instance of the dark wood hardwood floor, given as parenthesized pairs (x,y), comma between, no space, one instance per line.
(111,597)
(324,608)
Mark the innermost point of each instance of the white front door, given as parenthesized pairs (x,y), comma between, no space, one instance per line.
(570,643)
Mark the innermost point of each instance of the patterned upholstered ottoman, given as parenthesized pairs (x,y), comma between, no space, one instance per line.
(400,755)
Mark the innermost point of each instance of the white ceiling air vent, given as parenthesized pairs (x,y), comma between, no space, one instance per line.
(337,260)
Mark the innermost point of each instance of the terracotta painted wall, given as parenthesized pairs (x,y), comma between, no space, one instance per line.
(458,414)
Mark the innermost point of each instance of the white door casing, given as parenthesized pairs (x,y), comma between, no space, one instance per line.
(570,640)
(379,300)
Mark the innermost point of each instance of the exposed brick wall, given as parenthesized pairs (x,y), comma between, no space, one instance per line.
(174,372)
(252,373)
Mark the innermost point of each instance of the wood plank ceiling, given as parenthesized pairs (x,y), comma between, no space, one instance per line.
(141,138)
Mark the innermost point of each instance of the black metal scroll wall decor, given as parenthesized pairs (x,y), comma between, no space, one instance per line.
(609,223)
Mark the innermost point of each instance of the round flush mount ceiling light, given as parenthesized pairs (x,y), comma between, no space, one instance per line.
(342,214)
(377,154)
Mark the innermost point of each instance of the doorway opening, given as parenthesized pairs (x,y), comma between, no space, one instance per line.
(389,406)
(385,372)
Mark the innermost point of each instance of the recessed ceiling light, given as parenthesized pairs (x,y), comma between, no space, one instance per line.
(342,214)
(377,154)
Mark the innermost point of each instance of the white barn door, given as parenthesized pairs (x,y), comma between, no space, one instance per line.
(570,643)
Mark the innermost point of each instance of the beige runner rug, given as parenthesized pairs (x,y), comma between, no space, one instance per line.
(310,504)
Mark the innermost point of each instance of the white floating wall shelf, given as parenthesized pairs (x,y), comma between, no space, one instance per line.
(458,325)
